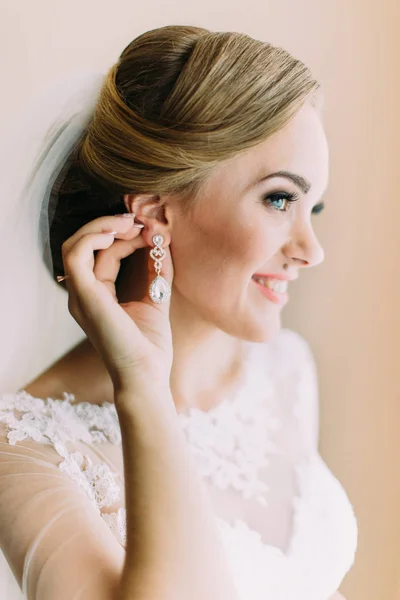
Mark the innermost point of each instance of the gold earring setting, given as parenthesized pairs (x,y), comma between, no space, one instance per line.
(159,289)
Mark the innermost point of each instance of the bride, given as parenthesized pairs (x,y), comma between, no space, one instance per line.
(173,453)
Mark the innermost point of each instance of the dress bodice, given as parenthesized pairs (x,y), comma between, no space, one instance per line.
(287,525)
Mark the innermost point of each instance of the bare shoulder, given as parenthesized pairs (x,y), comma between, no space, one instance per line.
(46,385)
(79,372)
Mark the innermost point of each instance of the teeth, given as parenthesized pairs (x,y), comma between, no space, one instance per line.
(273,284)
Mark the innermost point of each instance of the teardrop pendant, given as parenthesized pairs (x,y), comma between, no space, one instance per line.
(160,290)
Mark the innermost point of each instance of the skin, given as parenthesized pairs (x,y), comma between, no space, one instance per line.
(233,233)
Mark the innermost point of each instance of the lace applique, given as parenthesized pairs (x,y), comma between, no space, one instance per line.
(59,421)
(231,442)
(98,481)
(116,521)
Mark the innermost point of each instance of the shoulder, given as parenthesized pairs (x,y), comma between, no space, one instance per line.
(295,346)
(295,353)
(296,362)
(292,358)
(58,427)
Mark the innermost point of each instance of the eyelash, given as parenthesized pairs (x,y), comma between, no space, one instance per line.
(290,198)
(294,197)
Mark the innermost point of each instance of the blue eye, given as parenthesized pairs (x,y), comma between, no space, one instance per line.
(289,198)
(318,208)
(281,197)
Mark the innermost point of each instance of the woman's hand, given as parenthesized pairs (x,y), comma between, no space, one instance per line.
(133,338)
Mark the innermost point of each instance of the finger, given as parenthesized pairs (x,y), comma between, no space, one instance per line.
(124,229)
(108,261)
(122,225)
(79,261)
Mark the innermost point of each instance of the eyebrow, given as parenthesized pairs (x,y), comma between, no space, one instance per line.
(300,181)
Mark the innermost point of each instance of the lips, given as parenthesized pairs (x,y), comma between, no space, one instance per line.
(280,298)
(273,284)
(280,276)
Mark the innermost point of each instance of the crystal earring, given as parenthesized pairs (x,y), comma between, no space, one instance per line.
(159,288)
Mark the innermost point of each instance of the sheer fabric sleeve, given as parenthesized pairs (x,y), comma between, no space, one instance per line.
(52,534)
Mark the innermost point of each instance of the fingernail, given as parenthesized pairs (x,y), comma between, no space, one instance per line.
(110,232)
(128,215)
(137,225)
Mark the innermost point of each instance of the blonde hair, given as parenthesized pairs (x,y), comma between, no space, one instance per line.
(180,100)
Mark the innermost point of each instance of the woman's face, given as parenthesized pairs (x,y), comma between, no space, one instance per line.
(242,225)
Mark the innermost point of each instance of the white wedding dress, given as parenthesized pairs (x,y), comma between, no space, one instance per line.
(287,525)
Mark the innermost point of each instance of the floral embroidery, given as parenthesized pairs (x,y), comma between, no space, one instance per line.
(231,443)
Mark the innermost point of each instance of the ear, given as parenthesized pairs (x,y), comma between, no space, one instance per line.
(151,211)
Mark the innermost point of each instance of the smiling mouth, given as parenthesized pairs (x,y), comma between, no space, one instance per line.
(275,285)
(280,298)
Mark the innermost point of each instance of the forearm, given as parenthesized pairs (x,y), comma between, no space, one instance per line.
(173,551)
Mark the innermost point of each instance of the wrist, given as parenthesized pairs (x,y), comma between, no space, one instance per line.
(148,420)
(150,401)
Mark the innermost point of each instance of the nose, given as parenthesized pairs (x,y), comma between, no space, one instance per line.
(303,249)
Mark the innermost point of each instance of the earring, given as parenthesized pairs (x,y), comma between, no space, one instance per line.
(159,289)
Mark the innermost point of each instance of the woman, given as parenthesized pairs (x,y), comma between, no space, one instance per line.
(174,452)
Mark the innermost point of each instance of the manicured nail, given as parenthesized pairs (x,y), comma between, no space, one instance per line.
(110,232)
(138,225)
(127,215)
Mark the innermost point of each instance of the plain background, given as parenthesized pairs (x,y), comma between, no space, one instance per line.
(347,308)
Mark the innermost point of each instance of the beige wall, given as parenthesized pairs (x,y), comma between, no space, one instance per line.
(346,306)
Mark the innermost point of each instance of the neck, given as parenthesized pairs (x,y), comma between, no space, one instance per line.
(207,365)
(199,378)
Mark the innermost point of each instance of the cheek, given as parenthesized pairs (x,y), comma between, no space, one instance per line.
(258,245)
(195,253)
(217,248)
(210,254)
